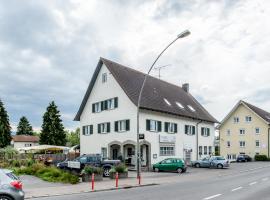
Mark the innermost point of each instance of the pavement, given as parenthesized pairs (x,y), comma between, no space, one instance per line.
(242,181)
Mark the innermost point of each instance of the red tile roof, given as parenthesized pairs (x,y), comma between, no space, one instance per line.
(25,138)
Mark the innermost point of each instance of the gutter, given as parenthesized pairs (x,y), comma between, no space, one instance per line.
(197,140)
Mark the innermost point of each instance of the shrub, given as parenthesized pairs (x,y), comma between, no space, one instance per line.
(90,170)
(261,158)
(121,168)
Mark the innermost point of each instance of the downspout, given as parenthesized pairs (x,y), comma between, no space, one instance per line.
(197,140)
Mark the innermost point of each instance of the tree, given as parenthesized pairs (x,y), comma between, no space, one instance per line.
(5,129)
(52,130)
(24,127)
(73,137)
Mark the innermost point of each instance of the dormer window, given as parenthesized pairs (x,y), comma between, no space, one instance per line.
(179,105)
(167,102)
(191,108)
(104,77)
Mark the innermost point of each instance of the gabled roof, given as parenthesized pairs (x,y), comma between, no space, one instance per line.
(25,138)
(155,93)
(264,115)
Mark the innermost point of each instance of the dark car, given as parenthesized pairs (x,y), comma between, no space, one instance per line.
(243,158)
(95,160)
(10,186)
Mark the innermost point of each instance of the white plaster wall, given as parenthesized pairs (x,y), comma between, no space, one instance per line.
(18,145)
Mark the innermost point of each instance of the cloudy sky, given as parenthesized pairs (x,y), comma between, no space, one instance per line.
(49,50)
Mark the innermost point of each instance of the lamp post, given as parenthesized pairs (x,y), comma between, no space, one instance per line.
(181,35)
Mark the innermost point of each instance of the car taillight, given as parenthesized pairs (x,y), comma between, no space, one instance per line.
(17,184)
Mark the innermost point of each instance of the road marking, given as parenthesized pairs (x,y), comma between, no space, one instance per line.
(211,197)
(235,189)
(264,179)
(253,183)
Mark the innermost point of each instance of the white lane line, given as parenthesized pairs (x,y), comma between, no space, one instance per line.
(211,197)
(235,189)
(264,179)
(253,183)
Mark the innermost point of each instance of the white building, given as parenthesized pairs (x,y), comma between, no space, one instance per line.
(22,141)
(171,119)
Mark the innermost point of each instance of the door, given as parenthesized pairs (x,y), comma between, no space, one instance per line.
(166,165)
(205,162)
(115,154)
(188,157)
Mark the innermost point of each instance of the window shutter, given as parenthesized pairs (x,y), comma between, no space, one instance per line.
(93,108)
(159,126)
(202,131)
(106,105)
(186,129)
(102,105)
(166,127)
(116,126)
(108,127)
(193,130)
(127,125)
(91,129)
(99,128)
(175,128)
(116,102)
(148,125)
(208,131)
(83,130)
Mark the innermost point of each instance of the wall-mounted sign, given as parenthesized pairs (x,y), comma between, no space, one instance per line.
(141,136)
(167,138)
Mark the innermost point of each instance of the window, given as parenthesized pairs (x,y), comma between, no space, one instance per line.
(121,125)
(228,132)
(200,150)
(27,145)
(228,144)
(189,130)
(104,127)
(236,119)
(87,130)
(242,144)
(104,77)
(104,153)
(179,105)
(191,108)
(153,125)
(257,143)
(170,127)
(96,107)
(205,150)
(111,104)
(248,118)
(166,151)
(205,131)
(210,150)
(108,104)
(257,130)
(167,102)
(242,131)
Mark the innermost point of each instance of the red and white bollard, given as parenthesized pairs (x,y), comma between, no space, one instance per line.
(139,179)
(116,180)
(93,182)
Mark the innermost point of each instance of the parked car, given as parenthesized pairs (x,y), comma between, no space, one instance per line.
(10,186)
(79,163)
(214,161)
(171,164)
(243,158)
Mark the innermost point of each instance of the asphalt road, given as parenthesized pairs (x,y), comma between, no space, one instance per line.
(241,182)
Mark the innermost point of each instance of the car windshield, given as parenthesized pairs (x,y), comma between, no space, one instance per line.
(220,158)
(12,176)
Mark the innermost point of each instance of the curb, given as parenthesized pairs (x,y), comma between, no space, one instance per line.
(90,191)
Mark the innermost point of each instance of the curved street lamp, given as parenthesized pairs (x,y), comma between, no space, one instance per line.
(181,35)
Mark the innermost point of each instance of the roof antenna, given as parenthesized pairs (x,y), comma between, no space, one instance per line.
(161,67)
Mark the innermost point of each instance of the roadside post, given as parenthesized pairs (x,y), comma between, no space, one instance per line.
(139,178)
(116,180)
(93,182)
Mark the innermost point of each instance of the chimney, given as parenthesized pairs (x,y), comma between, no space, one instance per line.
(185,87)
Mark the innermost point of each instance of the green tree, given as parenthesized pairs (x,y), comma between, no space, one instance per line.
(73,137)
(24,127)
(5,129)
(52,130)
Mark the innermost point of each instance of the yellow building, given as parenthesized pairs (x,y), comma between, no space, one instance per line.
(245,130)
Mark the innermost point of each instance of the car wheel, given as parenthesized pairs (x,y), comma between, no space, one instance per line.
(106,172)
(219,166)
(197,165)
(4,197)
(156,169)
(179,170)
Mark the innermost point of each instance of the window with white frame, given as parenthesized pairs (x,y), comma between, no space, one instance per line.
(153,125)
(104,77)
(236,119)
(189,130)
(104,127)
(242,144)
(242,131)
(170,127)
(87,130)
(104,153)
(111,104)
(228,132)
(248,118)
(257,143)
(210,150)
(97,107)
(205,131)
(200,150)
(121,125)
(228,144)
(166,151)
(257,130)
(205,150)
(28,145)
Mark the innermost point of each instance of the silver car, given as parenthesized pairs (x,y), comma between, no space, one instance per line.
(213,161)
(10,186)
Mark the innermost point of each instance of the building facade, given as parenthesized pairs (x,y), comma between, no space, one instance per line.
(171,120)
(245,130)
(22,141)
